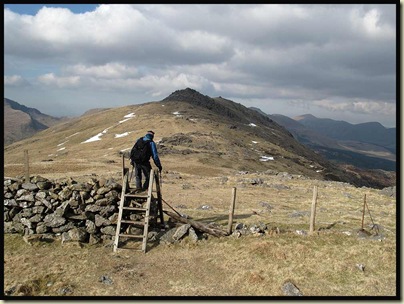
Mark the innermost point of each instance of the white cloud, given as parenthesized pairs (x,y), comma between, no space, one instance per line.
(15,81)
(62,82)
(111,70)
(254,53)
(369,23)
(359,106)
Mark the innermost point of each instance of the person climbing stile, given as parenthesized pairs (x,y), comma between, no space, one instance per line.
(142,150)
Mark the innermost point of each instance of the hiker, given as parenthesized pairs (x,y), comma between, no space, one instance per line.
(142,150)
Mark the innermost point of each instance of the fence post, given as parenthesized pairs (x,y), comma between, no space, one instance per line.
(123,167)
(313,210)
(363,211)
(231,211)
(26,166)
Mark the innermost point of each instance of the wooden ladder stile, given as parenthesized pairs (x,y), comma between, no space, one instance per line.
(159,200)
(147,215)
(120,212)
(126,198)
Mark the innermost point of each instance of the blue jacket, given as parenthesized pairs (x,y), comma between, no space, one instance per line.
(148,137)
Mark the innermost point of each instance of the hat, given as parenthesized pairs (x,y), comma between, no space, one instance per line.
(150,132)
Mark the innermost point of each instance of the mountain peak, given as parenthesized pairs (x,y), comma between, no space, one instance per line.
(188,95)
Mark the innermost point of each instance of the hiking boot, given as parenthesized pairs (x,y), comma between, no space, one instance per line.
(137,190)
(141,190)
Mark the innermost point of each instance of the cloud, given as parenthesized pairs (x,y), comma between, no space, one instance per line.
(110,70)
(370,23)
(15,81)
(359,106)
(61,82)
(264,52)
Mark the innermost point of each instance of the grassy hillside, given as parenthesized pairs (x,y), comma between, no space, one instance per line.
(218,135)
(208,148)
(322,264)
(22,122)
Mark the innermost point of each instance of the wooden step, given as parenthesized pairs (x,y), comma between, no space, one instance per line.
(135,236)
(138,203)
(134,208)
(136,195)
(132,222)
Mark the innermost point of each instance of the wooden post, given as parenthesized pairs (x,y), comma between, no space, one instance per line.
(313,210)
(363,211)
(123,168)
(26,166)
(231,211)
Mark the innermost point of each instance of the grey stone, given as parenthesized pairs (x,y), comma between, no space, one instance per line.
(25,204)
(27,212)
(21,192)
(8,195)
(192,234)
(240,226)
(47,204)
(94,239)
(103,190)
(109,230)
(38,209)
(100,221)
(93,208)
(105,280)
(63,228)
(65,194)
(53,220)
(26,222)
(41,195)
(181,232)
(62,209)
(36,179)
(41,228)
(13,227)
(75,235)
(289,289)
(167,238)
(10,203)
(45,185)
(36,218)
(27,198)
(29,186)
(102,202)
(90,226)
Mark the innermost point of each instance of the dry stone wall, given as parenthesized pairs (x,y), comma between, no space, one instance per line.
(77,211)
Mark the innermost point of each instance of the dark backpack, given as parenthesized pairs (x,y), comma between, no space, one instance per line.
(140,152)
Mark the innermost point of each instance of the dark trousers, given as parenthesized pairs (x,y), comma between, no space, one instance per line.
(145,169)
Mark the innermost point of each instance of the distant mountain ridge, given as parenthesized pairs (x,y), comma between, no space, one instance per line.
(21,122)
(365,145)
(369,132)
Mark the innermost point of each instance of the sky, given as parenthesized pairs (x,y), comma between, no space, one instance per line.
(331,61)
